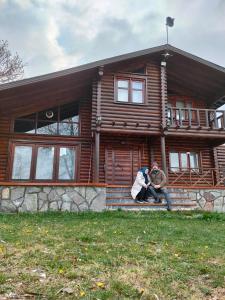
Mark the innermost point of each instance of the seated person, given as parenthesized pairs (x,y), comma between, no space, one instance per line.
(158,182)
(140,189)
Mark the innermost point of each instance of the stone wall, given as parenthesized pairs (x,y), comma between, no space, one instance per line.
(53,198)
(209,200)
(81,198)
(205,199)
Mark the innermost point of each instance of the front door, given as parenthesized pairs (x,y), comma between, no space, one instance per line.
(122,164)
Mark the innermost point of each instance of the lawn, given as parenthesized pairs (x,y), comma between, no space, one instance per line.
(112,255)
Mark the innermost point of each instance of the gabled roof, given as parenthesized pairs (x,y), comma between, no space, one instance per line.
(111,60)
(186,73)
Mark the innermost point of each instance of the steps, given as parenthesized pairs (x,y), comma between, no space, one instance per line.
(119,197)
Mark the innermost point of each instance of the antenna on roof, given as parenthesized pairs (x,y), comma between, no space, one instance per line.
(169,23)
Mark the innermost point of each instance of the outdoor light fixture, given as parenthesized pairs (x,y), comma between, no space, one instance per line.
(49,114)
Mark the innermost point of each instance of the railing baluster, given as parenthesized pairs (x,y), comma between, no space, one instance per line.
(180,117)
(198,117)
(223,120)
(189,117)
(206,118)
(215,120)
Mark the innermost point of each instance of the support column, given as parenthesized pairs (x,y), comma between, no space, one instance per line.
(98,125)
(163,154)
(97,155)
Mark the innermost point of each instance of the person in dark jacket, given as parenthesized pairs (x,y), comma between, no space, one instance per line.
(158,182)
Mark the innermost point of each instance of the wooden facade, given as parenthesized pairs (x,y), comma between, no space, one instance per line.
(133,109)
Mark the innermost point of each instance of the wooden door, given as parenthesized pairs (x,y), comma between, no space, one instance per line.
(122,164)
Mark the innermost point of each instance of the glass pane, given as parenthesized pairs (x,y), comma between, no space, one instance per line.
(174,161)
(28,117)
(22,162)
(68,129)
(138,85)
(122,95)
(169,114)
(48,114)
(189,105)
(66,163)
(46,128)
(194,160)
(184,163)
(137,96)
(69,112)
(44,167)
(180,104)
(123,83)
(25,126)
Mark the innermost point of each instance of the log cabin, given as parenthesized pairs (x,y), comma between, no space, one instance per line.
(97,124)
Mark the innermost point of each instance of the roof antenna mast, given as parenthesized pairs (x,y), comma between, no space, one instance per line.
(169,23)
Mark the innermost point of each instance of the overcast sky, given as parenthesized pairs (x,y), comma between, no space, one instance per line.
(52,35)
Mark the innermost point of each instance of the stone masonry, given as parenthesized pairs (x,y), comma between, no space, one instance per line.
(51,198)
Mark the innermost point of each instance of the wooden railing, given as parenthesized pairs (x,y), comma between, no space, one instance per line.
(195,118)
(196,177)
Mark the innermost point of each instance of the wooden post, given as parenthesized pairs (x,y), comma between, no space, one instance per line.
(164,116)
(97,148)
(163,154)
(98,125)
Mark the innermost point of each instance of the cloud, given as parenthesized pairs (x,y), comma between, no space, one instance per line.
(58,34)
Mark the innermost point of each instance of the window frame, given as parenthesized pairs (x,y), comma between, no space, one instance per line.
(130,79)
(180,169)
(57,122)
(33,166)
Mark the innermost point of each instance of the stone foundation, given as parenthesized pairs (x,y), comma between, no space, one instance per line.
(51,198)
(206,199)
(82,198)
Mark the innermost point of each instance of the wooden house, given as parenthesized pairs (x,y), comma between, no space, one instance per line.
(98,123)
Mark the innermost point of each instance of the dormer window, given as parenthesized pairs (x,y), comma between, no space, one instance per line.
(130,90)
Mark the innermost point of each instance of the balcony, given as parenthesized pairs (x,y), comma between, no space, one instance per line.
(196,119)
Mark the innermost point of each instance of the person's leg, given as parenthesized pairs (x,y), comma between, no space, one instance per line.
(154,194)
(167,197)
(141,195)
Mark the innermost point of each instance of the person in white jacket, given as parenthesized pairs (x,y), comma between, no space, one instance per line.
(140,191)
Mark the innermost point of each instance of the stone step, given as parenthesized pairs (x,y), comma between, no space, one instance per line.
(148,206)
(111,197)
(127,201)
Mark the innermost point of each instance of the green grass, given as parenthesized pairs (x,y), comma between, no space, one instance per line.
(113,255)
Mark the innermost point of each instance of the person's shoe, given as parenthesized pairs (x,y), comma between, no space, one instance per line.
(169,209)
(158,201)
(139,201)
(146,201)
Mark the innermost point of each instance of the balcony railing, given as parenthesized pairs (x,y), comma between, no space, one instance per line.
(195,118)
(196,177)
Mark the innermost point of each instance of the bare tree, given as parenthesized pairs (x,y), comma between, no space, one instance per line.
(11,66)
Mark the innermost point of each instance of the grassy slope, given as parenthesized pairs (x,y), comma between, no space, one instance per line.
(113,255)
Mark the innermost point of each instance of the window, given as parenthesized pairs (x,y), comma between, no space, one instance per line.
(181,161)
(62,120)
(22,162)
(130,90)
(44,162)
